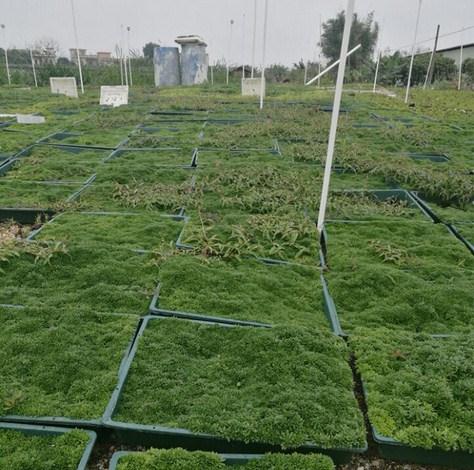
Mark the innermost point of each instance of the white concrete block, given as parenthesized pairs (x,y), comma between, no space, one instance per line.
(114,95)
(64,86)
(251,87)
(30,119)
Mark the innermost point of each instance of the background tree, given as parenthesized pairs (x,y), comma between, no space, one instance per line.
(468,69)
(148,49)
(364,32)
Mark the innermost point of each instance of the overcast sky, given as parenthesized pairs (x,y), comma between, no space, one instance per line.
(293,24)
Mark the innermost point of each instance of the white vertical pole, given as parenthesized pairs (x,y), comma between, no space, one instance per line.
(335,114)
(460,67)
(243,46)
(124,56)
(121,64)
(254,37)
(230,52)
(306,72)
(407,95)
(77,45)
(6,54)
(212,74)
(264,51)
(129,56)
(377,70)
(34,68)
(319,50)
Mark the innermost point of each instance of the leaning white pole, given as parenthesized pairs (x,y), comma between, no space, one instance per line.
(77,45)
(254,39)
(33,68)
(377,71)
(230,53)
(325,71)
(6,54)
(320,47)
(335,114)
(264,51)
(460,67)
(407,95)
(129,56)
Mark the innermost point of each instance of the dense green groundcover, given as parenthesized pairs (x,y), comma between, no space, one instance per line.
(34,194)
(134,231)
(286,385)
(374,295)
(419,388)
(418,246)
(46,163)
(55,363)
(156,459)
(89,276)
(47,452)
(247,290)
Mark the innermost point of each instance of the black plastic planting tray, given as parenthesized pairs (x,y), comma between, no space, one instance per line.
(33,430)
(392,449)
(159,436)
(228,459)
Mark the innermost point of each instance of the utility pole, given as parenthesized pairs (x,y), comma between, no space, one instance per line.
(429,73)
(379,56)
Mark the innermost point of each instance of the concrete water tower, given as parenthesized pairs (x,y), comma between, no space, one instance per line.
(194,60)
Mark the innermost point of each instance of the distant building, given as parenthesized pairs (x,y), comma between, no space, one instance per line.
(101,58)
(455,52)
(46,56)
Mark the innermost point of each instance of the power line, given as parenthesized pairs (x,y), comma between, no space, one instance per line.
(452,33)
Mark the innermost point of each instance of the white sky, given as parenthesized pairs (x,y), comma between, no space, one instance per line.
(293,24)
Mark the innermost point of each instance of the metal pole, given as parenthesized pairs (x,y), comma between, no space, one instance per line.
(460,68)
(121,66)
(407,95)
(230,52)
(264,50)
(34,68)
(254,37)
(335,114)
(377,71)
(6,54)
(306,71)
(243,46)
(319,50)
(77,45)
(429,73)
(129,56)
(124,56)
(325,71)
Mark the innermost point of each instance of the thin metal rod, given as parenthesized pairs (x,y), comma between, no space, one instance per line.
(320,47)
(129,56)
(325,71)
(335,114)
(33,68)
(377,70)
(254,40)
(243,46)
(264,52)
(77,45)
(124,56)
(306,71)
(230,52)
(5,50)
(460,67)
(407,95)
(429,72)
